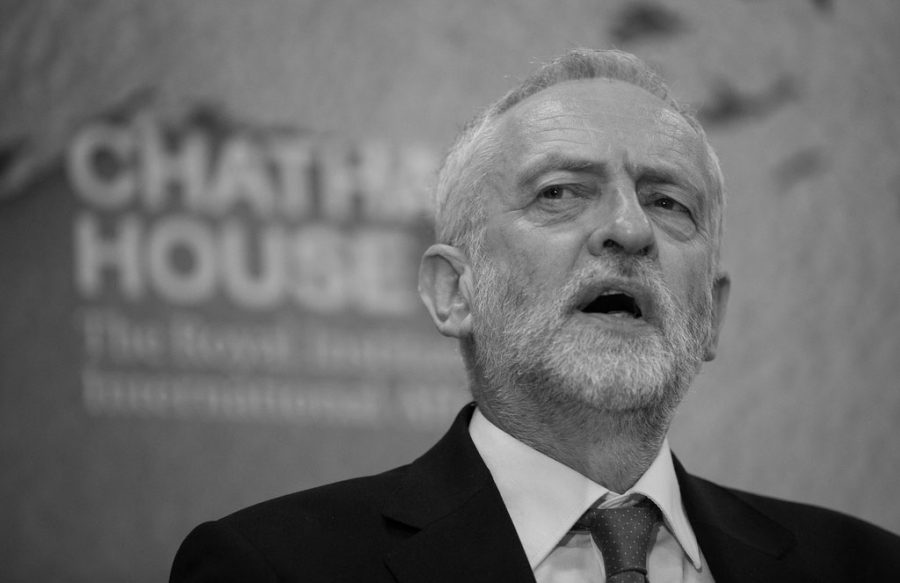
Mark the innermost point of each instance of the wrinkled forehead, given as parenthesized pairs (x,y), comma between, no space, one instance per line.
(604,114)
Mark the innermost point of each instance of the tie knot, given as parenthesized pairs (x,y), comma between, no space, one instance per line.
(623,536)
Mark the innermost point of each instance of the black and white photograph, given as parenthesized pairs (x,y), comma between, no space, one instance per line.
(422,291)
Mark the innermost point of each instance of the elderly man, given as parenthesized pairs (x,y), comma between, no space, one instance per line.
(579,221)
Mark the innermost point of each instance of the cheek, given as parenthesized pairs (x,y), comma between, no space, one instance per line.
(689,277)
(537,257)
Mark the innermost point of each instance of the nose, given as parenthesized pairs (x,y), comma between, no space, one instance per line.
(623,225)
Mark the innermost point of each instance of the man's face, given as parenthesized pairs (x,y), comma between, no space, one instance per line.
(594,280)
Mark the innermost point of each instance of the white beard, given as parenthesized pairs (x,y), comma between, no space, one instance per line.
(530,347)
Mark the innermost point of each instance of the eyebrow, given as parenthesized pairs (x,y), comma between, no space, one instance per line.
(666,173)
(559,162)
(663,173)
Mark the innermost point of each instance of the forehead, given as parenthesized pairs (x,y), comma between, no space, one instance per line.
(604,120)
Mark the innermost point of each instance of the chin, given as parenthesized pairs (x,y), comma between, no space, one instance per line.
(608,373)
(556,360)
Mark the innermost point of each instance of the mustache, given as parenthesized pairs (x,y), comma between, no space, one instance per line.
(639,271)
(498,291)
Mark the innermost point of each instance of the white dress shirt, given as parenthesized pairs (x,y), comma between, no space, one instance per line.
(544,498)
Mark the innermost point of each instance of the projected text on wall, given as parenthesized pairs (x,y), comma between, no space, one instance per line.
(239,272)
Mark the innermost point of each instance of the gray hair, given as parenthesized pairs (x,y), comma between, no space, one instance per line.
(460,210)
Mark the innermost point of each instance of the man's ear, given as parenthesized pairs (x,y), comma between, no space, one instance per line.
(720,291)
(445,285)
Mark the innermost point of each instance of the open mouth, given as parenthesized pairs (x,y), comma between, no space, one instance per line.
(614,303)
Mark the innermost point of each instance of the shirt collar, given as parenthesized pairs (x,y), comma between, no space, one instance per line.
(544,498)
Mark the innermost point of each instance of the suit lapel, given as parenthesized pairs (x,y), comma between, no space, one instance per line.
(465,531)
(739,543)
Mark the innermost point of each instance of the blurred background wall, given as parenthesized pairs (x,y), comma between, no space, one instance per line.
(210,221)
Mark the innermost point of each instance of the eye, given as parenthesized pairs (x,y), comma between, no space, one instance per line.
(556,192)
(673,216)
(670,204)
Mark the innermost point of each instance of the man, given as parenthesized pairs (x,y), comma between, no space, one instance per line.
(579,221)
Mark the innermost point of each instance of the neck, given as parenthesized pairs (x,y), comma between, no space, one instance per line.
(612,448)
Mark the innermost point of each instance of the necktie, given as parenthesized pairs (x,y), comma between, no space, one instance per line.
(623,536)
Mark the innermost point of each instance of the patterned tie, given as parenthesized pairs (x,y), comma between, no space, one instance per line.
(623,536)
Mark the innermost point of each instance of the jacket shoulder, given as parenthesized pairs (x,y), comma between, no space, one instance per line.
(299,536)
(829,541)
(821,522)
(332,506)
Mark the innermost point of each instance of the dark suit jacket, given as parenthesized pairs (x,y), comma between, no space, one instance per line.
(441,519)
